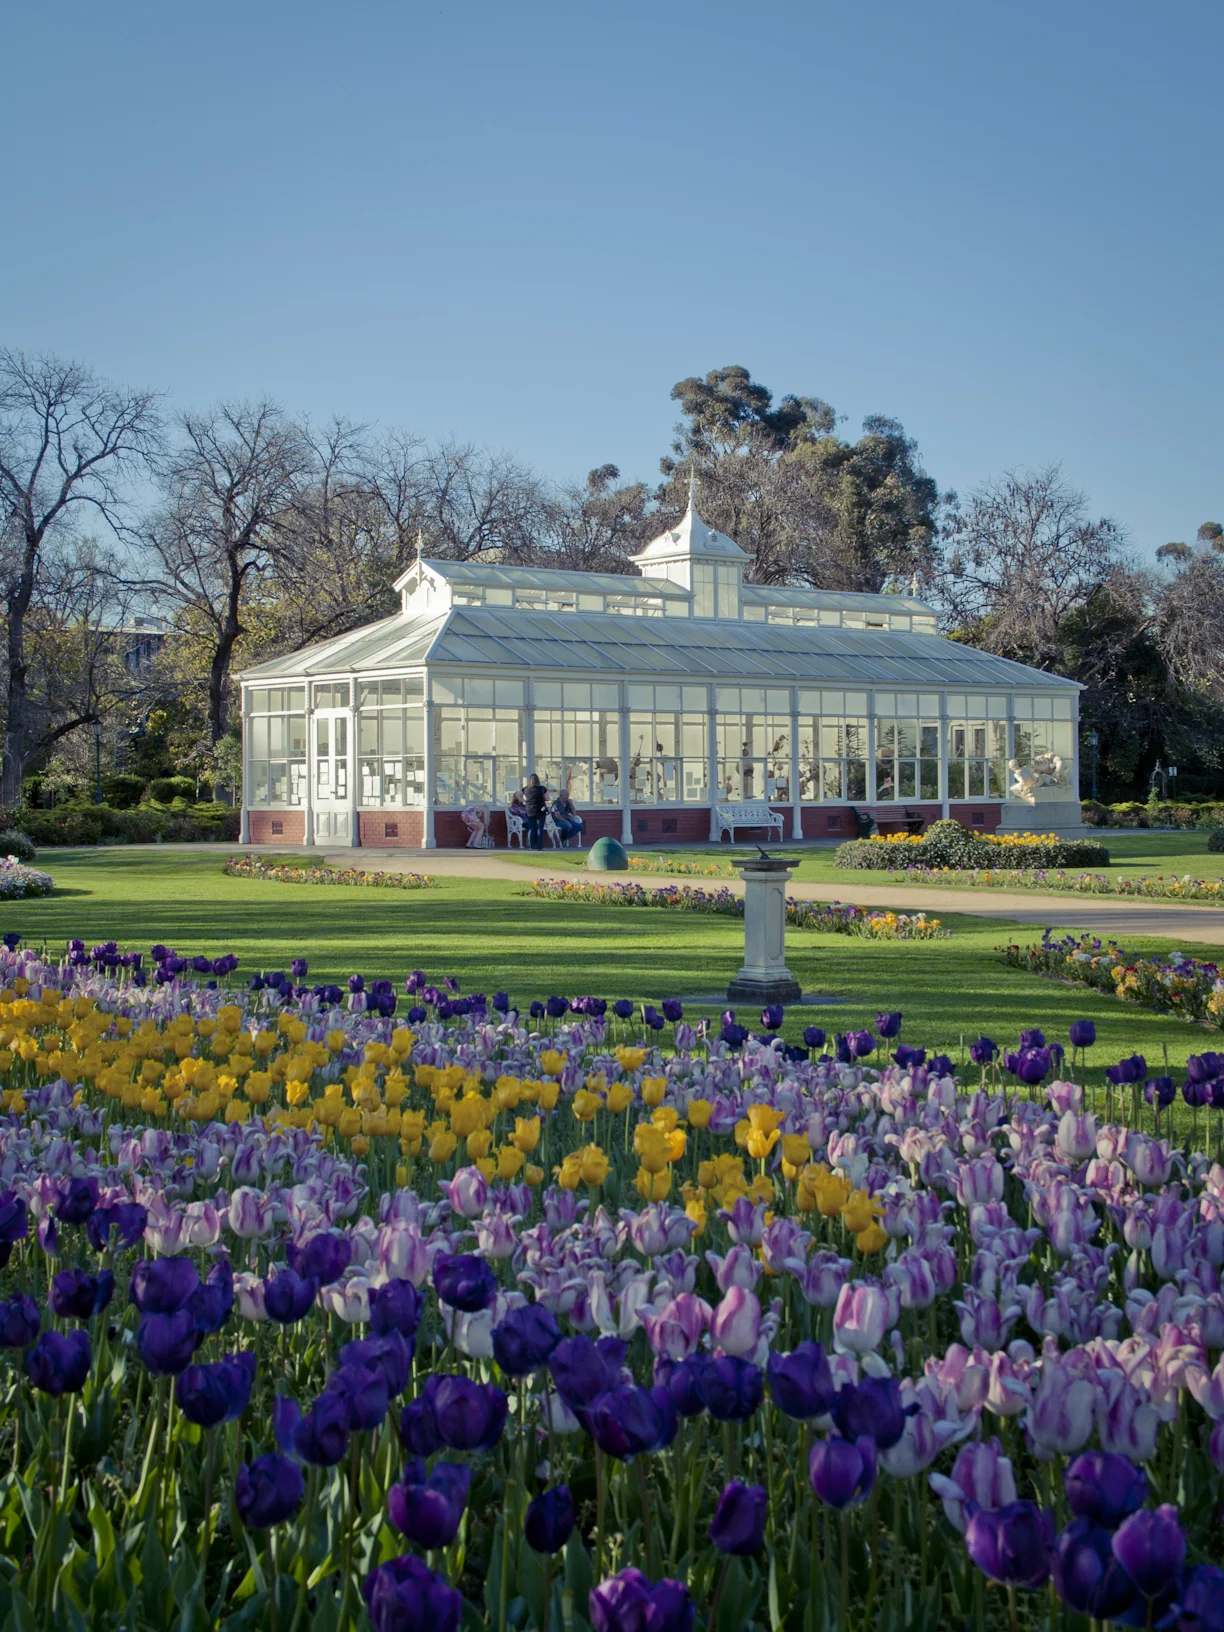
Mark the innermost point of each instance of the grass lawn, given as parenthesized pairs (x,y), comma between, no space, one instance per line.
(1134,854)
(492,938)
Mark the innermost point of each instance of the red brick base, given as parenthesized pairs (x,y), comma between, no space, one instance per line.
(391,829)
(277,826)
(983,817)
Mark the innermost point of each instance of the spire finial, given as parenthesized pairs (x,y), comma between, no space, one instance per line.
(420,542)
(692,480)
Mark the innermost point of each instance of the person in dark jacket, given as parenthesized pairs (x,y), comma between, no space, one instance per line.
(535,797)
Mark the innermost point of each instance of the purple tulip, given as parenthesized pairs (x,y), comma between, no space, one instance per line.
(1202,1600)
(213,1299)
(549,1520)
(166,1343)
(59,1364)
(801,1382)
(629,1421)
(78,1198)
(162,1286)
(871,1408)
(983,1051)
(813,1036)
(733,1035)
(208,1395)
(1032,1039)
(772,1016)
(1083,1034)
(1011,1544)
(682,1380)
(427,1506)
(395,1307)
(465,1282)
(888,1025)
(627,1602)
(268,1490)
(405,1595)
(842,1471)
(418,1429)
(364,1392)
(119,1226)
(1086,1574)
(981,1477)
(525,1339)
(583,1369)
(324,1258)
(318,1436)
(14,1221)
(1151,1548)
(908,1057)
(731,1387)
(470,1416)
(1104,1488)
(20,1319)
(288,1297)
(76,1295)
(673,1010)
(738,1525)
(861,1317)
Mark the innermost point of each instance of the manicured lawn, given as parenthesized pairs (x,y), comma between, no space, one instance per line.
(1134,854)
(493,938)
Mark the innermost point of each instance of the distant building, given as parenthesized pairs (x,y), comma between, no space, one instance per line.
(137,639)
(652,699)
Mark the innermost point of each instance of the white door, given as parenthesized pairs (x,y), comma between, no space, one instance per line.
(332,769)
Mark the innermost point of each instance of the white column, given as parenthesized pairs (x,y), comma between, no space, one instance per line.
(244,829)
(354,768)
(944,802)
(871,748)
(712,759)
(797,803)
(308,835)
(431,842)
(626,798)
(764,977)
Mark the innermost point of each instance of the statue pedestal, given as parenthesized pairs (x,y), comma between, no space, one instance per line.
(764,977)
(1044,810)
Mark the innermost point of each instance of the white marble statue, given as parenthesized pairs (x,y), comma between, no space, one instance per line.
(1046,771)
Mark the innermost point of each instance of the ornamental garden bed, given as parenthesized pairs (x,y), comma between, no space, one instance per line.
(949,845)
(371,1311)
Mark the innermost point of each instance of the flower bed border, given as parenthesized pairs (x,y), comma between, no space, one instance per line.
(253,867)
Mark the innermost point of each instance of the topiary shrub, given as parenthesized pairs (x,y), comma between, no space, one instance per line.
(166,789)
(122,791)
(1215,840)
(946,844)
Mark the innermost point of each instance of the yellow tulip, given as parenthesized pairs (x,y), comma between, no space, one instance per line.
(630,1059)
(795,1150)
(533,1175)
(652,1146)
(653,1090)
(585,1104)
(443,1147)
(549,1093)
(860,1212)
(593,1165)
(652,1186)
(552,1062)
(509,1162)
(526,1135)
(699,1113)
(620,1097)
(478,1143)
(258,1087)
(872,1239)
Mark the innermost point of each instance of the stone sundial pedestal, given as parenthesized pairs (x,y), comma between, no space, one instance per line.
(764,977)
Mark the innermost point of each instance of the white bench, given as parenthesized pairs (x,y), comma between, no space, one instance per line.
(757,814)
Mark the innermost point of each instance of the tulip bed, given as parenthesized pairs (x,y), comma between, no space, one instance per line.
(1158,888)
(834,917)
(18,881)
(1169,985)
(320,873)
(341,1309)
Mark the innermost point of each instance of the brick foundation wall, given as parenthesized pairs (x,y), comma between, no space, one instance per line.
(984,816)
(408,829)
(683,824)
(277,826)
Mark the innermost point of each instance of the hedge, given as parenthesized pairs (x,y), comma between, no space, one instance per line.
(80,824)
(948,844)
(1208,813)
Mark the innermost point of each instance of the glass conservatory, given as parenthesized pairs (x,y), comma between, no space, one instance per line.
(653,700)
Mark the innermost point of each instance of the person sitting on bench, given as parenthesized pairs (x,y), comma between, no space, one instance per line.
(566,817)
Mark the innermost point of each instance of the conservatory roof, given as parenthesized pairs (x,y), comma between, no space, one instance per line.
(848,600)
(588,583)
(607,646)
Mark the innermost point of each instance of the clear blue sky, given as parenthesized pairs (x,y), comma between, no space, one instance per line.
(521,224)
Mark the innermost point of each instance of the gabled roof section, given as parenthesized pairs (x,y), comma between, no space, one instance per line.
(692,537)
(845,600)
(557,578)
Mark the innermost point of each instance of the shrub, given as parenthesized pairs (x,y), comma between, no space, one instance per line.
(948,844)
(122,790)
(80,824)
(13,842)
(166,789)
(1215,841)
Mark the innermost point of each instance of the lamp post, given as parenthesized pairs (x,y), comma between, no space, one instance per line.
(1094,742)
(97,725)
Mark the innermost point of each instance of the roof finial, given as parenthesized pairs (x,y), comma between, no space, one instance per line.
(692,480)
(420,542)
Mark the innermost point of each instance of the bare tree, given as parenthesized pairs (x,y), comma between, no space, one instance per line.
(68,440)
(474,505)
(227,491)
(1020,558)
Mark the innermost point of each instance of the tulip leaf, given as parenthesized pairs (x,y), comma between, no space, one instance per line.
(21,1617)
(579,1575)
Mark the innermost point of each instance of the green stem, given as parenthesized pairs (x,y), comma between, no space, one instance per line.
(843,1612)
(718,1592)
(601,1502)
(644,1493)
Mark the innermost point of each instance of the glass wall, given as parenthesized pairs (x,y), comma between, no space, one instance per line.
(391,742)
(1044,725)
(977,746)
(753,733)
(906,746)
(832,746)
(276,746)
(477,740)
(577,740)
(668,744)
